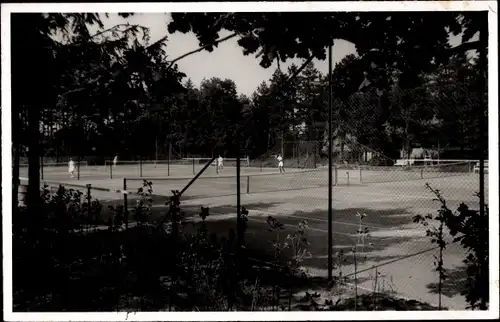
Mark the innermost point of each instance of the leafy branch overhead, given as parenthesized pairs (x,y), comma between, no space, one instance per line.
(410,40)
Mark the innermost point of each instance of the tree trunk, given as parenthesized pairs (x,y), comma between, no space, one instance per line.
(15,166)
(33,193)
(342,145)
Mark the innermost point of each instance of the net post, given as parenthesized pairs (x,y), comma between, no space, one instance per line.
(140,166)
(194,172)
(248,184)
(336,174)
(421,173)
(125,202)
(347,177)
(360,175)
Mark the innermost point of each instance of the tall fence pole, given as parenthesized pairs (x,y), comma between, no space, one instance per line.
(168,158)
(78,167)
(125,202)
(482,128)
(194,171)
(89,200)
(41,166)
(111,164)
(298,156)
(156,148)
(330,181)
(238,189)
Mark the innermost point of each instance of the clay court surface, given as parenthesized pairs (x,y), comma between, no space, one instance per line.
(399,248)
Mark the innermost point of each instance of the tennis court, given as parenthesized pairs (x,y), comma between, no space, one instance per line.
(395,244)
(389,197)
(142,168)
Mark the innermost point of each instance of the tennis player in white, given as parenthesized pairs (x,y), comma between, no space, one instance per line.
(280,163)
(71,168)
(220,163)
(115,160)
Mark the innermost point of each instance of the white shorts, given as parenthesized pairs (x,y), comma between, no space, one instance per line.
(280,164)
(71,170)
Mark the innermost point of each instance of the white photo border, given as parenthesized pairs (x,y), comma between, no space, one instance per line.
(490,6)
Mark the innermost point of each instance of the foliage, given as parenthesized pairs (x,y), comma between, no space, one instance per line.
(134,269)
(279,36)
(437,237)
(468,227)
(143,209)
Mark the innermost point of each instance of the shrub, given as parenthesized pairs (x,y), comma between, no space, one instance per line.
(469,227)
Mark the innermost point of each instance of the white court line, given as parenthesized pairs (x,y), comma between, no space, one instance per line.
(307,218)
(361,192)
(308,228)
(319,219)
(282,214)
(267,212)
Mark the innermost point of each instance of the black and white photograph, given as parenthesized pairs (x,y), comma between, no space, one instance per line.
(298,161)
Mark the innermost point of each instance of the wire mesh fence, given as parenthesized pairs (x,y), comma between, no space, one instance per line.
(381,163)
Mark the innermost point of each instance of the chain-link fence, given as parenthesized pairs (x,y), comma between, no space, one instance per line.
(386,149)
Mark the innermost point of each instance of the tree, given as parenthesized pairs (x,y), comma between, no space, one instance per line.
(310,103)
(259,127)
(456,101)
(407,43)
(84,77)
(221,109)
(31,34)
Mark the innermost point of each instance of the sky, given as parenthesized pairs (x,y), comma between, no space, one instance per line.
(227,60)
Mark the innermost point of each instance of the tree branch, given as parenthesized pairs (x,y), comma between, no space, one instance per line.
(218,41)
(114,27)
(464,47)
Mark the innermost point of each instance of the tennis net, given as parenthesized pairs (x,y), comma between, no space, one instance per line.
(56,166)
(160,168)
(374,174)
(223,185)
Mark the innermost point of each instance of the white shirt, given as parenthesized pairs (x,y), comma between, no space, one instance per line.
(279,159)
(71,164)
(115,159)
(220,160)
